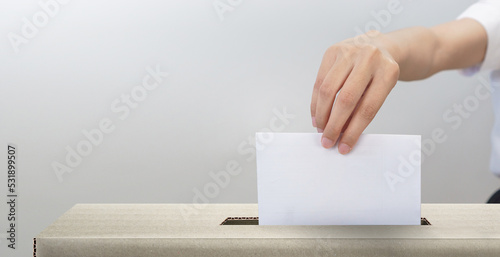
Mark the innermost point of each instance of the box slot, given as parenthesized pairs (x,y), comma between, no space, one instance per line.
(255,221)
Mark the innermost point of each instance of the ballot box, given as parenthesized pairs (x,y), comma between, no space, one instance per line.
(232,230)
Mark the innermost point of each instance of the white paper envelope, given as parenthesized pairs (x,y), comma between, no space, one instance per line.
(301,183)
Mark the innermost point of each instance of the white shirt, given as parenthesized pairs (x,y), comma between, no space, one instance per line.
(487,12)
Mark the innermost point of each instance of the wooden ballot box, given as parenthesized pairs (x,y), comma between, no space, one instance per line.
(231,230)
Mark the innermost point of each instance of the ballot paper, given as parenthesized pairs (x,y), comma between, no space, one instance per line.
(301,183)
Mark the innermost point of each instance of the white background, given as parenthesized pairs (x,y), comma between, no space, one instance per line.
(226,76)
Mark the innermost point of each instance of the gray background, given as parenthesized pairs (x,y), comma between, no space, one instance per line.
(225,79)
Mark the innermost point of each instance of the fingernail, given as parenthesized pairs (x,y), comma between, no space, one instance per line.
(327,143)
(319,130)
(344,148)
(314,122)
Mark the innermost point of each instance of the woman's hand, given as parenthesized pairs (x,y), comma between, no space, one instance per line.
(357,74)
(353,81)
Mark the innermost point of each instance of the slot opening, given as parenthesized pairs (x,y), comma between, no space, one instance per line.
(255,221)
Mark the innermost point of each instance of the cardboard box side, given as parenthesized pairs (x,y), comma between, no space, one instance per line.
(54,247)
(99,230)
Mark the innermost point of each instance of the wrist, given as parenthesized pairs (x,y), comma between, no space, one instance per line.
(388,44)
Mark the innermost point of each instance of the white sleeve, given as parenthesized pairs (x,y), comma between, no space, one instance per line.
(486,12)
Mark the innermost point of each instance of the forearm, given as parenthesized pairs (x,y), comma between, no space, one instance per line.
(421,52)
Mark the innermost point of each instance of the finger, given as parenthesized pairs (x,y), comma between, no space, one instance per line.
(368,107)
(329,89)
(345,103)
(350,117)
(326,64)
(347,123)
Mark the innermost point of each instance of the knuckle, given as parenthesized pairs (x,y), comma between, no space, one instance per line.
(392,71)
(368,112)
(326,91)
(348,52)
(331,51)
(343,50)
(371,52)
(318,82)
(346,98)
(370,49)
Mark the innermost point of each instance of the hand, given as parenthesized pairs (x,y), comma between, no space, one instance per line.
(353,82)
